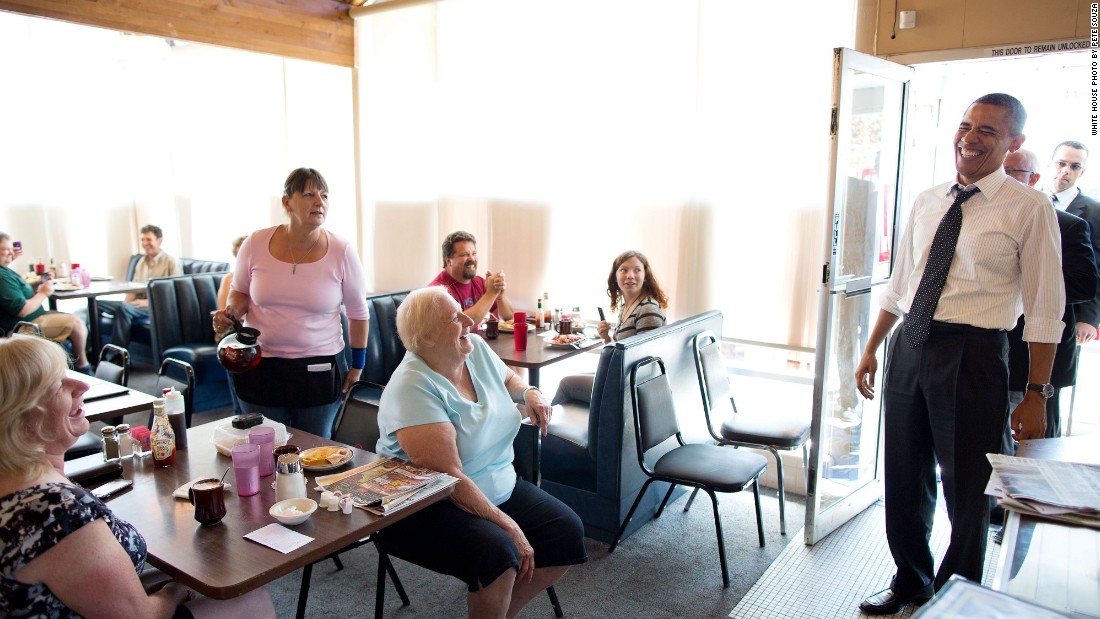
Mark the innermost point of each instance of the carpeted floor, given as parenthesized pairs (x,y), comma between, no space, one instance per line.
(669,568)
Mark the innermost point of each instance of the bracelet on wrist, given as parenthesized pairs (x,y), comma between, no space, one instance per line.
(523,396)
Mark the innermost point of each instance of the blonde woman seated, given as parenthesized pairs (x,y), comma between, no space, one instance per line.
(20,302)
(450,406)
(62,552)
(634,290)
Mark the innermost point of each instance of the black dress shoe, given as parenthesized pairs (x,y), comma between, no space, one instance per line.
(886,602)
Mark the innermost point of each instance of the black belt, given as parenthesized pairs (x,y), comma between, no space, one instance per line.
(951,327)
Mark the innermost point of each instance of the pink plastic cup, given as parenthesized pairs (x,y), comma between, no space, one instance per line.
(246,468)
(264,436)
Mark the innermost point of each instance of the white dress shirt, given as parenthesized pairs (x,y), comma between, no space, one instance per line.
(1064,198)
(1007,260)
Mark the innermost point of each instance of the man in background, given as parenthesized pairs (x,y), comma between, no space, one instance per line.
(971,251)
(1066,166)
(1079,274)
(477,296)
(155,263)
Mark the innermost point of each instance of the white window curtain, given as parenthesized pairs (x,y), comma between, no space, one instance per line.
(564,133)
(105,132)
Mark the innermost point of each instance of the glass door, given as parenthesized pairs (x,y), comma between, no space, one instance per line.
(867,128)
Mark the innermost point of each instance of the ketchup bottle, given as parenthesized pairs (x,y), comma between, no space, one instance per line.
(163,438)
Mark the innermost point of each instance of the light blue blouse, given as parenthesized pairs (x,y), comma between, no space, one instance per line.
(485,429)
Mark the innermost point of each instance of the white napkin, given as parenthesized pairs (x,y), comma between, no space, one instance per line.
(181,492)
(279,537)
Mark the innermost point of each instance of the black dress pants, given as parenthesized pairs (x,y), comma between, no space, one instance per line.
(945,402)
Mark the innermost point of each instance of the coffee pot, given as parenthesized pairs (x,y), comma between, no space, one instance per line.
(239,351)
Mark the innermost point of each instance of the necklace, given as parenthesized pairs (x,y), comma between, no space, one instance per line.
(290,248)
(627,309)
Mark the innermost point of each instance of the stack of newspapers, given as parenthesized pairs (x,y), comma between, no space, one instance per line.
(386,485)
(1063,491)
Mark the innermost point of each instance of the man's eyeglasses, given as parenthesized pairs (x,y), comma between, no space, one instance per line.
(1076,167)
(1017,171)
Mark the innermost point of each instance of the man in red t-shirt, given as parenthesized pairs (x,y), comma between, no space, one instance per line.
(478,296)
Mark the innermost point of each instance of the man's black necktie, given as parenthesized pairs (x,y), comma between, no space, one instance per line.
(938,264)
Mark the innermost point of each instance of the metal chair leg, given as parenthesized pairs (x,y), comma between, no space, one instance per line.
(668,494)
(303,592)
(759,518)
(397,583)
(554,601)
(380,586)
(782,493)
(721,540)
(629,515)
(691,499)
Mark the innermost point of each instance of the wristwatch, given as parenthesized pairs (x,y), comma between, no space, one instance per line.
(1045,390)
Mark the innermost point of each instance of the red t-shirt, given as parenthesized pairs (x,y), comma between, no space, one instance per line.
(466,294)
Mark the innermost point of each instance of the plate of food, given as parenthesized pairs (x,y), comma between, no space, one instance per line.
(507,326)
(572,340)
(65,286)
(325,458)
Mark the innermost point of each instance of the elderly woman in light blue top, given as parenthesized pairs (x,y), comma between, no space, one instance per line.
(451,406)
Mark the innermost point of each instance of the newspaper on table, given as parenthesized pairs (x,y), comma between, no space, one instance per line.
(963,599)
(1060,490)
(386,485)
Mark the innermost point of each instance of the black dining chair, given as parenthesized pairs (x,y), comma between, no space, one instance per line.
(181,375)
(772,431)
(356,424)
(114,366)
(707,467)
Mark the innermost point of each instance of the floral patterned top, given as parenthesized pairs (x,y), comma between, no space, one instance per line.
(37,518)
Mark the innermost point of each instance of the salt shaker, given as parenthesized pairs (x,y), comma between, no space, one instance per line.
(578,321)
(290,482)
(125,443)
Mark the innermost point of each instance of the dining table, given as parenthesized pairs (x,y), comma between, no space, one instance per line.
(92,292)
(216,560)
(1049,562)
(107,400)
(540,351)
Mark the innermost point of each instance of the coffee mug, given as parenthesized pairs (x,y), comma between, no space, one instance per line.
(208,497)
(492,329)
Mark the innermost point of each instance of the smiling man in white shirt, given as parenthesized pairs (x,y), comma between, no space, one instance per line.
(945,387)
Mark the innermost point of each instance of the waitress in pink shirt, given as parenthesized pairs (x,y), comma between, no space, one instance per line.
(291,282)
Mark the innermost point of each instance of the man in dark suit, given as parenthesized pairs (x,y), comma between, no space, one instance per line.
(1066,166)
(1080,275)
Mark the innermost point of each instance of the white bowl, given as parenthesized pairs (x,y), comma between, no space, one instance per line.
(305,506)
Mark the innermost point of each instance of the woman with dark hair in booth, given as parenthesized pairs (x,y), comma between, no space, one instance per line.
(634,291)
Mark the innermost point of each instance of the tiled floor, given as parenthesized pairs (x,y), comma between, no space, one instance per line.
(828,580)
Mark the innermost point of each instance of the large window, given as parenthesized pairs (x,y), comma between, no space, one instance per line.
(564,133)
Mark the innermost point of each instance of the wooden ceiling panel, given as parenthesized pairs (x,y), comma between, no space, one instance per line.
(317,30)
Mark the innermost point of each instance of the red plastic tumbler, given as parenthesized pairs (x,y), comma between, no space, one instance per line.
(519,326)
